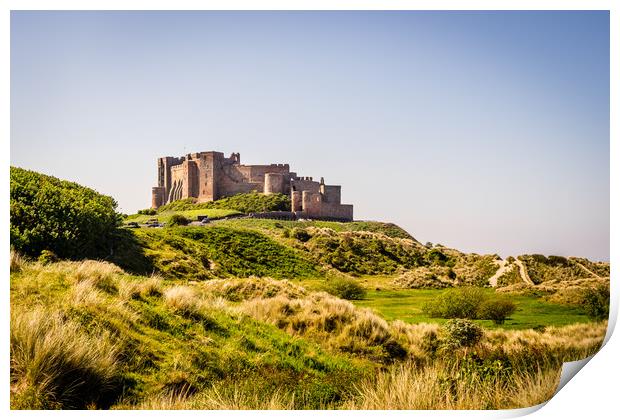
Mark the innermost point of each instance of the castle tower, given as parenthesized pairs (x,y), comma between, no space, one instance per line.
(274,183)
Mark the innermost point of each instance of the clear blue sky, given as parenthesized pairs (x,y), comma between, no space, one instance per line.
(484,131)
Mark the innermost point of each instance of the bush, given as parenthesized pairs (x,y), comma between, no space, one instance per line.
(436,257)
(148,212)
(596,302)
(461,302)
(178,220)
(63,217)
(346,289)
(47,257)
(462,333)
(300,234)
(496,309)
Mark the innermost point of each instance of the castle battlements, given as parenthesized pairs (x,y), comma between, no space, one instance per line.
(209,176)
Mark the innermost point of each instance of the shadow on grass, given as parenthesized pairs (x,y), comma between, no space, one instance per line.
(128,253)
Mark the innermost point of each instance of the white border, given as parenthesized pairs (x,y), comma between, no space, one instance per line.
(595,390)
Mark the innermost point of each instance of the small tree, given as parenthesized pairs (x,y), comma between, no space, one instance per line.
(346,289)
(460,302)
(496,309)
(178,220)
(148,212)
(596,302)
(300,234)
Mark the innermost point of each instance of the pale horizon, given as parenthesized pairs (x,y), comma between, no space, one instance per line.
(483,131)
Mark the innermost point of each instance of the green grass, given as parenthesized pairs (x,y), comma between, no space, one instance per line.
(278,226)
(246,203)
(406,305)
(160,349)
(142,340)
(190,214)
(199,253)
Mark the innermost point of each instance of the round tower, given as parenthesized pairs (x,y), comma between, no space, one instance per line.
(274,183)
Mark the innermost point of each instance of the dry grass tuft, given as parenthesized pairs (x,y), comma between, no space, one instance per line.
(102,275)
(17,261)
(425,277)
(87,298)
(183,299)
(215,398)
(54,364)
(237,290)
(152,287)
(131,289)
(407,387)
(329,320)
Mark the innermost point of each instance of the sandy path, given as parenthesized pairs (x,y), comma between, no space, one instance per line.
(503,267)
(596,276)
(523,271)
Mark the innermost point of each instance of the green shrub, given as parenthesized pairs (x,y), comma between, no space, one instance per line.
(148,212)
(63,217)
(461,333)
(460,302)
(47,257)
(301,234)
(178,220)
(596,302)
(496,309)
(346,289)
(437,257)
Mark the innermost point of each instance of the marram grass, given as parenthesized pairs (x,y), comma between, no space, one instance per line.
(89,335)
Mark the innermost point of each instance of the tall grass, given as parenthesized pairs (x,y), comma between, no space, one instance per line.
(237,290)
(407,387)
(183,299)
(220,398)
(331,321)
(207,345)
(55,365)
(131,289)
(16,261)
(99,274)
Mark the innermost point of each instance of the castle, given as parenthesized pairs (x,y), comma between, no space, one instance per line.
(209,176)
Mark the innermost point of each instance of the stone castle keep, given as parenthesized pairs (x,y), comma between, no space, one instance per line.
(209,176)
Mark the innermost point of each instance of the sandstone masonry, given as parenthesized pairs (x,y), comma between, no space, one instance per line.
(209,176)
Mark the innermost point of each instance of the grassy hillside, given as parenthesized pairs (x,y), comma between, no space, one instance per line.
(162,338)
(87,334)
(542,269)
(199,253)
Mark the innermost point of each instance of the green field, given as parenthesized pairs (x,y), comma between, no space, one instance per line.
(406,305)
(190,214)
